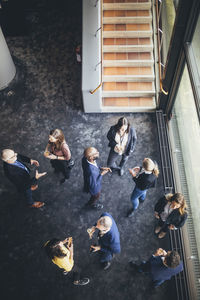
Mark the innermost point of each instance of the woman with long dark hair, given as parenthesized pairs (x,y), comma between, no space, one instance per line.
(57,150)
(62,256)
(122,139)
(171,212)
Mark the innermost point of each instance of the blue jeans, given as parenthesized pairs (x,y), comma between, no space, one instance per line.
(136,195)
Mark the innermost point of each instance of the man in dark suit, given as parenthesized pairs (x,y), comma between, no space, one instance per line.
(19,174)
(161,266)
(109,239)
(92,174)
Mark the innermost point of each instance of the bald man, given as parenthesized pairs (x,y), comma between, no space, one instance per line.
(108,238)
(19,174)
(92,174)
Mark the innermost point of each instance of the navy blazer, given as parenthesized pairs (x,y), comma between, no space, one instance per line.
(175,218)
(110,241)
(18,176)
(159,271)
(132,138)
(92,177)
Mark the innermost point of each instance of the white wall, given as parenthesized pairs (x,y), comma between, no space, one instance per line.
(91,55)
(7,67)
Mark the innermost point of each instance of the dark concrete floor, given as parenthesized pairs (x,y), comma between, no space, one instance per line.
(46,95)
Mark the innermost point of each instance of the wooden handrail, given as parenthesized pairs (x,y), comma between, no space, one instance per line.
(101,28)
(94,91)
(159,49)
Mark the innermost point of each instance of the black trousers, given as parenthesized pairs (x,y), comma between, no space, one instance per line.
(113,156)
(163,225)
(61,166)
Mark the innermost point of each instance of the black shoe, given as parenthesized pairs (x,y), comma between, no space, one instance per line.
(107,265)
(130,213)
(97,206)
(62,180)
(83,281)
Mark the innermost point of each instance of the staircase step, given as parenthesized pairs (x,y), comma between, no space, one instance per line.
(127,71)
(128,86)
(127,41)
(128,104)
(127,34)
(119,94)
(130,55)
(127,6)
(127,20)
(128,48)
(126,1)
(128,63)
(126,27)
(126,13)
(128,78)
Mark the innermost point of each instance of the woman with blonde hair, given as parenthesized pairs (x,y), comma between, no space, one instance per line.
(145,177)
(59,154)
(171,212)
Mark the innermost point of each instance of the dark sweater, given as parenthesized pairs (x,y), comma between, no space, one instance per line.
(175,218)
(160,272)
(132,138)
(18,176)
(110,241)
(145,181)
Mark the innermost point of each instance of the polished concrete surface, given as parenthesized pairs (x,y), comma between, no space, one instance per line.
(46,94)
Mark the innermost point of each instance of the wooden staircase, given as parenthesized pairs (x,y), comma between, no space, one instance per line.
(128,61)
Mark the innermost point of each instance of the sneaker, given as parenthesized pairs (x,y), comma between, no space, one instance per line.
(130,213)
(158,228)
(107,265)
(97,206)
(83,281)
(37,204)
(162,234)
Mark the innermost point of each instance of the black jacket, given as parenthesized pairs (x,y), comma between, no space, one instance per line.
(131,139)
(175,218)
(145,181)
(18,176)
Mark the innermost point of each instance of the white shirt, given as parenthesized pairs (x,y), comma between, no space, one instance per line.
(167,211)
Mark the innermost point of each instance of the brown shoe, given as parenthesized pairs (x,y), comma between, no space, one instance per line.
(158,228)
(34,187)
(162,234)
(37,204)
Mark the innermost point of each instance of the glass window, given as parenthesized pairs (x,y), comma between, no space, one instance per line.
(187,121)
(196,43)
(168,15)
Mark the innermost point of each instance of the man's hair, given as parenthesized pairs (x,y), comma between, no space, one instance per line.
(105,222)
(6,154)
(173,259)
